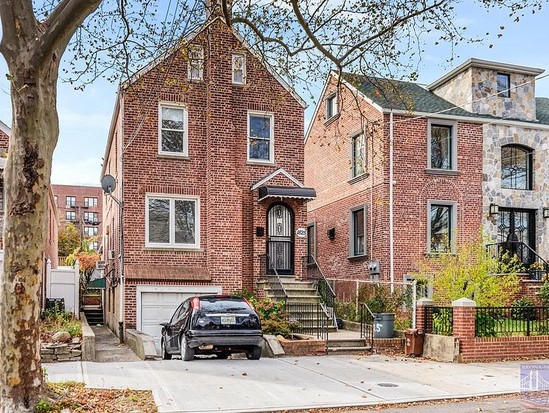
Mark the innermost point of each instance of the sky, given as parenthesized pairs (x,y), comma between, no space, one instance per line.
(85,116)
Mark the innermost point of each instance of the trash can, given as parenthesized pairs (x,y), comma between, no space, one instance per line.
(384,325)
(414,342)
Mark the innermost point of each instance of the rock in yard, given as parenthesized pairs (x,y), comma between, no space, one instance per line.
(61,337)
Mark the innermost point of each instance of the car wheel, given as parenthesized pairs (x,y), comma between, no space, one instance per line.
(187,353)
(165,354)
(255,354)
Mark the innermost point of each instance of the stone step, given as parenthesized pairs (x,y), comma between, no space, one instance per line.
(350,342)
(348,350)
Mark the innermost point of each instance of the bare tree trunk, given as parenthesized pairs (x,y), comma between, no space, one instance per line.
(27,177)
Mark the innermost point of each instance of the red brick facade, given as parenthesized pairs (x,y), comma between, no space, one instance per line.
(215,171)
(328,170)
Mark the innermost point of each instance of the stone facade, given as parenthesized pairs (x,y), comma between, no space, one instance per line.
(216,171)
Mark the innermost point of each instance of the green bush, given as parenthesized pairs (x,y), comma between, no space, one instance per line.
(53,321)
(442,322)
(485,325)
(43,406)
(346,310)
(523,309)
(544,294)
(274,320)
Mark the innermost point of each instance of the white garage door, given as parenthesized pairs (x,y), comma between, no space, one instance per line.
(156,305)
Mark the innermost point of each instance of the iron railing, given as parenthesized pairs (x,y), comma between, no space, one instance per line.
(511,321)
(367,325)
(275,283)
(533,263)
(438,320)
(313,272)
(310,317)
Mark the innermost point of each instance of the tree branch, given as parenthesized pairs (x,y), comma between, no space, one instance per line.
(19,26)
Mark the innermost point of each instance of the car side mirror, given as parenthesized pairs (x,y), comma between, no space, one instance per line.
(165,325)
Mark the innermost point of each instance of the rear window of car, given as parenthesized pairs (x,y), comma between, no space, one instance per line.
(227,305)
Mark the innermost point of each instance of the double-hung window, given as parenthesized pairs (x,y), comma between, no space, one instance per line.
(172,221)
(357,232)
(441,227)
(70,201)
(331,106)
(504,85)
(172,139)
(90,201)
(90,217)
(260,137)
(196,63)
(70,215)
(90,231)
(442,146)
(358,155)
(239,69)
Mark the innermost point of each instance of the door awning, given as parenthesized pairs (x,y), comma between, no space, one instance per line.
(285,192)
(97,284)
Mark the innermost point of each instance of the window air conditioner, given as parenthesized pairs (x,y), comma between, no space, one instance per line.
(100,265)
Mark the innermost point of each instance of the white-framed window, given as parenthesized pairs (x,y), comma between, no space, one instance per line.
(90,217)
(357,231)
(358,155)
(172,221)
(70,201)
(56,200)
(90,201)
(504,85)
(442,145)
(441,226)
(90,231)
(332,107)
(172,130)
(93,245)
(196,63)
(70,215)
(261,137)
(239,69)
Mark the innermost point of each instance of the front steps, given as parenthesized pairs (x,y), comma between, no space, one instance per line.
(347,345)
(94,315)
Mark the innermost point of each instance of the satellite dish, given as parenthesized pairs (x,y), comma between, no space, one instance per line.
(108,183)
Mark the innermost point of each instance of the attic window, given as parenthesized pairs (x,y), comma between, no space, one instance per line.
(196,63)
(504,85)
(239,69)
(331,106)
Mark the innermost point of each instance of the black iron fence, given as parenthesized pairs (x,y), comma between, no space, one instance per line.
(367,324)
(275,284)
(532,263)
(313,272)
(438,320)
(511,321)
(309,318)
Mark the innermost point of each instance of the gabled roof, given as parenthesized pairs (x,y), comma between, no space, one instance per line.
(279,171)
(5,128)
(405,96)
(191,36)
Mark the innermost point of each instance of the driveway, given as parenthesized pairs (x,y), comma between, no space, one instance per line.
(205,385)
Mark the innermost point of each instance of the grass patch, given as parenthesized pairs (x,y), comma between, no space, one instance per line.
(77,398)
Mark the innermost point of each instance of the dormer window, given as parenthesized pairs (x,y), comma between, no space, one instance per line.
(504,85)
(331,106)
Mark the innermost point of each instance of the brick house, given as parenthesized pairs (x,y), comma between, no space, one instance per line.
(415,170)
(81,206)
(206,146)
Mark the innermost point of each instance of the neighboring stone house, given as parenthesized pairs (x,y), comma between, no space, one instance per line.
(206,146)
(81,206)
(411,170)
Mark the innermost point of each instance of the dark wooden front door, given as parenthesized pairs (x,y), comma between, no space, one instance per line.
(280,239)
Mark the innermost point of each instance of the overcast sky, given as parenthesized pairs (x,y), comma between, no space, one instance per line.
(85,116)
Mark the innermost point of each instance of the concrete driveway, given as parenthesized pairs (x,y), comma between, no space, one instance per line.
(206,385)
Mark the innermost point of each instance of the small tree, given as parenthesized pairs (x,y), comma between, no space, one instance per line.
(68,241)
(472,273)
(88,262)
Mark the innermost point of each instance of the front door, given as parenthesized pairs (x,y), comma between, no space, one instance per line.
(516,230)
(280,240)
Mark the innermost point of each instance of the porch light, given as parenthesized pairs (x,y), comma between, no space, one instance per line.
(494,209)
(545,212)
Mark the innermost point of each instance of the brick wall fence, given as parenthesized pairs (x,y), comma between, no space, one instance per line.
(473,348)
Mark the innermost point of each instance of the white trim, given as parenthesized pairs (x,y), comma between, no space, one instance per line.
(331,104)
(453,224)
(190,51)
(453,143)
(261,114)
(5,128)
(172,198)
(272,175)
(191,289)
(174,105)
(243,68)
(485,64)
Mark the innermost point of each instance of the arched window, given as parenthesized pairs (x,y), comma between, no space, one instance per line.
(516,167)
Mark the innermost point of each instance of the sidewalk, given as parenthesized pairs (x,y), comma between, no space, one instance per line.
(108,347)
(288,383)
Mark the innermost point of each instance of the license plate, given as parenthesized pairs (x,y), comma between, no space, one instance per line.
(228,320)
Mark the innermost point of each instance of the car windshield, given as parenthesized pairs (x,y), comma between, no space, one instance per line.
(223,305)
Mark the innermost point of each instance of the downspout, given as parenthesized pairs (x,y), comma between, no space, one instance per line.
(121,322)
(391,200)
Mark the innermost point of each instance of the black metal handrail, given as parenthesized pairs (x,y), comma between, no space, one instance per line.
(511,321)
(367,324)
(313,272)
(275,283)
(311,318)
(534,264)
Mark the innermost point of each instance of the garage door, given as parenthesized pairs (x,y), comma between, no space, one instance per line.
(158,306)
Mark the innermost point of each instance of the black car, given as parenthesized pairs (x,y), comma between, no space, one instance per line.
(212,324)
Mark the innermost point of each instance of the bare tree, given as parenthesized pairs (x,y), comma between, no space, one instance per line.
(301,39)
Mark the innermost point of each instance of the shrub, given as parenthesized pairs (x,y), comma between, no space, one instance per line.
(544,294)
(485,325)
(43,406)
(54,321)
(274,320)
(442,322)
(523,309)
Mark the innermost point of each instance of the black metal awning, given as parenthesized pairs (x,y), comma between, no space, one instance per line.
(285,192)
